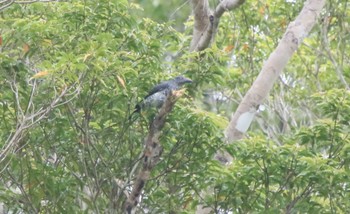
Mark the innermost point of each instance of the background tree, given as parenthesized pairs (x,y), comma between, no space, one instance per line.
(71,73)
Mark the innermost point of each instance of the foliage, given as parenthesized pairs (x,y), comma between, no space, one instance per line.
(81,154)
(308,173)
(75,157)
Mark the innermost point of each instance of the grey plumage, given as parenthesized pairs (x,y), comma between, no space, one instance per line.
(159,93)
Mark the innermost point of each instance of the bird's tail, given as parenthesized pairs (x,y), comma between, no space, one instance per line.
(137,110)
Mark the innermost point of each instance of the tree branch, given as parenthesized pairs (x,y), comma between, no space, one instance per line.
(27,119)
(227,5)
(307,191)
(7,3)
(152,151)
(206,21)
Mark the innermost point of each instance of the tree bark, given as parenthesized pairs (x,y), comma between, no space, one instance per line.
(207,21)
(152,151)
(273,67)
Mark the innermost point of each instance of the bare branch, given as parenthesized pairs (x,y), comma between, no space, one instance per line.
(227,5)
(28,119)
(30,2)
(7,3)
(206,21)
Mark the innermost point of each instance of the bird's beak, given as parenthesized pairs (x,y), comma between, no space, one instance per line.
(187,80)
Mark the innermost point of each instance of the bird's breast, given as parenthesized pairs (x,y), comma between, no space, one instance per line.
(156,99)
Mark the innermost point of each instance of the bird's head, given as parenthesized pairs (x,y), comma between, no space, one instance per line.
(180,80)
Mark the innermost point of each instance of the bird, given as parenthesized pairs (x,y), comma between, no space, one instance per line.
(159,93)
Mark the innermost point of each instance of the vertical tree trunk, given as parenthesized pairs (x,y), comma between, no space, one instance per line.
(273,67)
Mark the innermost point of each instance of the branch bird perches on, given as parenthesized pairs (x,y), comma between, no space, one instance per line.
(152,150)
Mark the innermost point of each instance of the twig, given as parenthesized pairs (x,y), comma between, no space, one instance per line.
(28,119)
(8,3)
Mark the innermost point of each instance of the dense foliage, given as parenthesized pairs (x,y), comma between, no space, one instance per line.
(71,73)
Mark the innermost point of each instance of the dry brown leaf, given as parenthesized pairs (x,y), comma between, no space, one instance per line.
(121,81)
(229,48)
(40,74)
(86,56)
(26,48)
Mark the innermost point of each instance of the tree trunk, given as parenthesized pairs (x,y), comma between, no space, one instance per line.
(273,67)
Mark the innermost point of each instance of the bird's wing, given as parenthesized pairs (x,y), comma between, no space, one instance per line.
(157,88)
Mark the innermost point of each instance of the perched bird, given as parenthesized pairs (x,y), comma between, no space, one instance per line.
(159,93)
